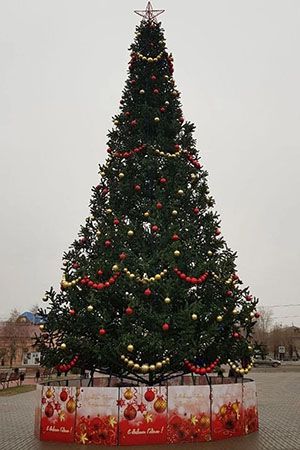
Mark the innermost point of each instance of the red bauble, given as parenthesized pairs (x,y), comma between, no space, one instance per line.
(100,272)
(202,371)
(175,237)
(49,410)
(162,109)
(177,147)
(155,91)
(149,395)
(102,331)
(235,335)
(132,82)
(137,188)
(75,265)
(133,123)
(159,205)
(63,395)
(229,293)
(160,404)
(249,298)
(116,221)
(122,256)
(130,412)
(107,243)
(154,228)
(72,312)
(217,232)
(129,311)
(257,315)
(165,326)
(147,292)
(153,77)
(196,210)
(162,180)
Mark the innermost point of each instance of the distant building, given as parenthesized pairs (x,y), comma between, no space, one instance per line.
(17,341)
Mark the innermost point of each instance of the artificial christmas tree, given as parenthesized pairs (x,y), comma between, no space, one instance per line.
(149,289)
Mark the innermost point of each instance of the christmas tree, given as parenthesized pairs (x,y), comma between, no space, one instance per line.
(149,289)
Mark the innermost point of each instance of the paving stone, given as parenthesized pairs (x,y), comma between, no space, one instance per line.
(279,406)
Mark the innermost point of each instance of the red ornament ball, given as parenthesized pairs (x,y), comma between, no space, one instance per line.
(147,292)
(122,256)
(100,272)
(162,109)
(133,123)
(63,395)
(175,237)
(153,78)
(154,228)
(155,91)
(116,221)
(196,210)
(159,205)
(102,331)
(128,311)
(107,243)
(72,312)
(165,326)
(137,188)
(149,395)
(229,293)
(130,412)
(163,180)
(256,315)
(49,410)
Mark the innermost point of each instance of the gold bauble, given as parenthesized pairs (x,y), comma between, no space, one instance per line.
(209,253)
(121,175)
(250,347)
(233,366)
(63,346)
(252,314)
(126,360)
(41,327)
(235,311)
(158,365)
(123,357)
(132,276)
(90,308)
(167,300)
(246,371)
(115,268)
(130,233)
(180,192)
(98,232)
(116,122)
(167,360)
(219,318)
(157,276)
(130,348)
(130,363)
(128,394)
(109,211)
(242,371)
(193,176)
(164,362)
(136,366)
(142,91)
(174,212)
(177,253)
(146,214)
(156,119)
(145,368)
(194,316)
(152,367)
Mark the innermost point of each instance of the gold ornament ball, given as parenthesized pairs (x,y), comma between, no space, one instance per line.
(164,362)
(136,366)
(235,311)
(130,233)
(90,308)
(152,368)
(121,175)
(98,232)
(123,357)
(142,91)
(219,318)
(180,192)
(145,368)
(167,300)
(146,214)
(237,370)
(132,276)
(109,211)
(242,371)
(209,253)
(156,119)
(157,277)
(126,360)
(174,212)
(246,371)
(130,363)
(193,176)
(177,253)
(250,347)
(130,348)
(194,316)
(115,268)
(63,346)
(252,314)
(158,365)
(233,366)
(41,327)
(116,122)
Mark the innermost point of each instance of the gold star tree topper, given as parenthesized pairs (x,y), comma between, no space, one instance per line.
(149,13)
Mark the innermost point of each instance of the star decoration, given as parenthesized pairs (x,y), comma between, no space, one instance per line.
(83,438)
(148,417)
(149,13)
(193,419)
(121,402)
(112,421)
(142,407)
(61,416)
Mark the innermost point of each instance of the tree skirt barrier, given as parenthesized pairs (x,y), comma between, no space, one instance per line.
(140,415)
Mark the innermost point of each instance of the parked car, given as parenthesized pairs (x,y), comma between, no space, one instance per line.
(268,361)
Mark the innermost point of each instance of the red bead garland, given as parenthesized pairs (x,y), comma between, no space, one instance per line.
(201,370)
(66,367)
(193,160)
(86,281)
(127,154)
(192,280)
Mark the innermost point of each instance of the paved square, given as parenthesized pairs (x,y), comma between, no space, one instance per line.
(279,414)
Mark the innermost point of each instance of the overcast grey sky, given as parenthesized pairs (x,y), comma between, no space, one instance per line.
(62,68)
